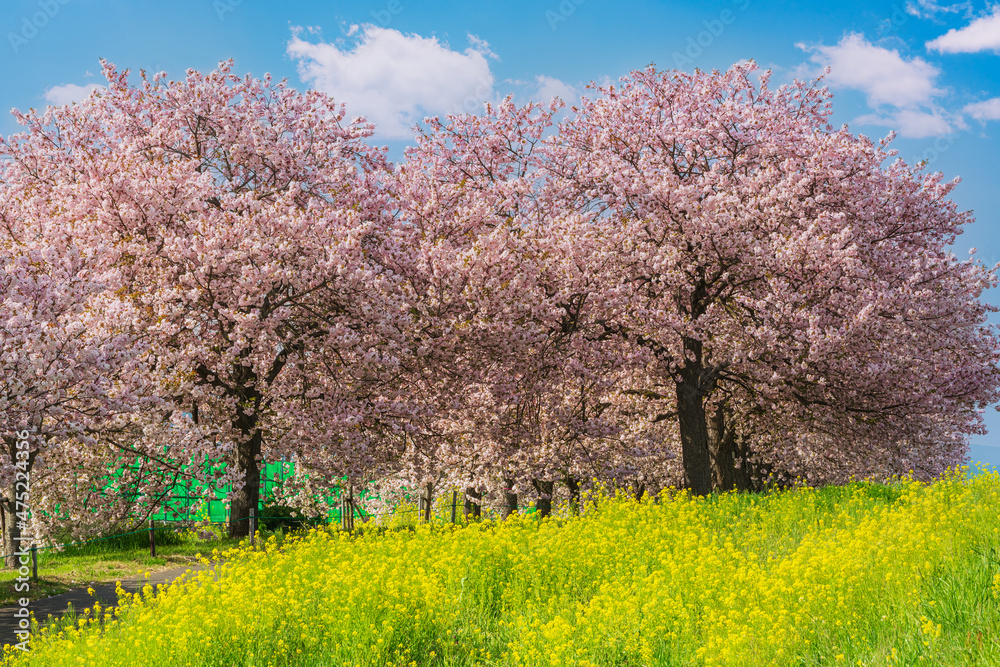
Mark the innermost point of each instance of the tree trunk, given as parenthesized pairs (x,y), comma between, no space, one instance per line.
(574,495)
(12,525)
(750,476)
(743,478)
(692,421)
(640,491)
(247,461)
(510,499)
(472,509)
(3,529)
(721,445)
(426,502)
(544,502)
(11,534)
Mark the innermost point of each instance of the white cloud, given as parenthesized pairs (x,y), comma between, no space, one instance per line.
(882,74)
(550,87)
(985,110)
(983,34)
(928,9)
(911,123)
(394,80)
(900,91)
(63,95)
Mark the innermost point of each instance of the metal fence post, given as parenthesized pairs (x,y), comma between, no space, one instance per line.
(350,507)
(343,509)
(34,562)
(152,539)
(253,526)
(425,502)
(347,509)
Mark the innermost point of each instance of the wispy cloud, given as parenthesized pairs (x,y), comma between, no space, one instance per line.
(912,123)
(929,9)
(983,34)
(68,93)
(901,91)
(548,87)
(882,74)
(396,79)
(985,110)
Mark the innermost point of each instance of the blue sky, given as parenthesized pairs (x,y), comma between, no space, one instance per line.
(929,71)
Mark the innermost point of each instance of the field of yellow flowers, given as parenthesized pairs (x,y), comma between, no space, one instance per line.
(865,574)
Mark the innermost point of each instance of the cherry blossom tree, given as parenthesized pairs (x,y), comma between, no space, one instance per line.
(239,216)
(692,279)
(70,370)
(503,366)
(798,295)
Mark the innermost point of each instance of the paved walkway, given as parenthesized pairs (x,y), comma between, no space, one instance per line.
(57,605)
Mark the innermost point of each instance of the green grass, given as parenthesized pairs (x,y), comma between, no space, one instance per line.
(110,560)
(870,575)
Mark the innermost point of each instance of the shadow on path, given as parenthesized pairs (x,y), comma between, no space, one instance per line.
(57,605)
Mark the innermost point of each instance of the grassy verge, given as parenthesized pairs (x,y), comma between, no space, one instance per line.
(868,575)
(107,561)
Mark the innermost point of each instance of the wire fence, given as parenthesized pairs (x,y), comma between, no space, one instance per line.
(336,517)
(191,502)
(346,522)
(209,508)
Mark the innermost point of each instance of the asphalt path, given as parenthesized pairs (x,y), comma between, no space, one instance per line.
(80,599)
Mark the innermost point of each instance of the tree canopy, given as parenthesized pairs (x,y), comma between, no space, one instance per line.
(687,279)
